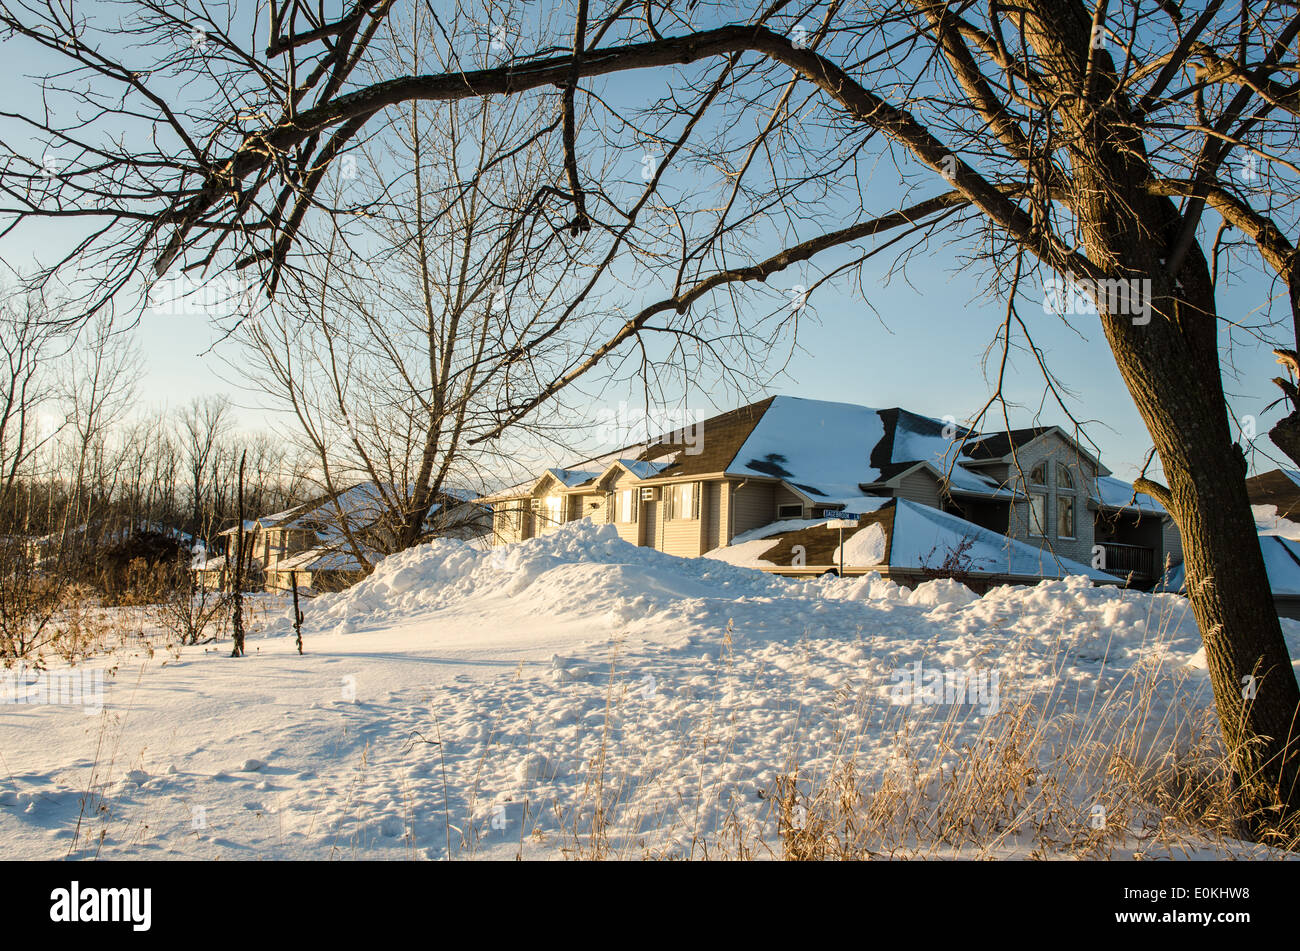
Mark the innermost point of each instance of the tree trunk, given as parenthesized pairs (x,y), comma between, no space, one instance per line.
(1170,367)
(237,618)
(1167,351)
(1286,436)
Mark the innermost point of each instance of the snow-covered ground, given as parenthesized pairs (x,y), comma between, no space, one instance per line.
(471,703)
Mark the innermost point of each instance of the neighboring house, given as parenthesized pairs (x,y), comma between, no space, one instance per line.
(1032,502)
(98,533)
(317,543)
(1275,502)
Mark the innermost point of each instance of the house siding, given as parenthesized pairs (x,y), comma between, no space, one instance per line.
(628,531)
(753,504)
(920,487)
(712,514)
(1052,450)
(1171,542)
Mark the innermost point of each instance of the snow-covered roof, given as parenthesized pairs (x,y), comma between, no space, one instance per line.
(250,525)
(917,537)
(643,468)
(922,534)
(1113,493)
(572,477)
(1279,543)
(823,449)
(1281,563)
(1269,522)
(320,559)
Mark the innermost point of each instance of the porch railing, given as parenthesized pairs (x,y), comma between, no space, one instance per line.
(1126,559)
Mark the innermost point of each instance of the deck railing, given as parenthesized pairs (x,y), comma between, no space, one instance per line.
(1126,559)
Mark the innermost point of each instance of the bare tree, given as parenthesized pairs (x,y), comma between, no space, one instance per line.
(409,354)
(201,426)
(25,387)
(1088,141)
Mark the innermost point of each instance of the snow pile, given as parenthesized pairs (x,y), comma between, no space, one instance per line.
(865,548)
(580,569)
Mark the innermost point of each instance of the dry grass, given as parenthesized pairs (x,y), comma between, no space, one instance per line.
(1059,773)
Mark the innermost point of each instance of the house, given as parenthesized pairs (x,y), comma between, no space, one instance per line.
(1020,505)
(330,542)
(1275,503)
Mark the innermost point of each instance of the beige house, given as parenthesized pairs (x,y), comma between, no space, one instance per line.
(787,465)
(316,544)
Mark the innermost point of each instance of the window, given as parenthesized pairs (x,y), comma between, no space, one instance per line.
(1038,475)
(627,505)
(1064,480)
(683,501)
(793,510)
(1037,514)
(1065,516)
(551,509)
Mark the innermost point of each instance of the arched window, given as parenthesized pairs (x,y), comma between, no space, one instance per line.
(1038,475)
(1065,514)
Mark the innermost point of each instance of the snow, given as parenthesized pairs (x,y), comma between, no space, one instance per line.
(461,703)
(1268,522)
(865,547)
(923,536)
(643,469)
(1279,542)
(573,477)
(963,481)
(813,443)
(1118,494)
(319,559)
(747,554)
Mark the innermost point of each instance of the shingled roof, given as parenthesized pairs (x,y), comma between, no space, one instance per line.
(998,445)
(1281,487)
(832,452)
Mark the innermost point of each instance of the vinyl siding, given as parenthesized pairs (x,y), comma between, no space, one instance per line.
(753,505)
(713,512)
(508,525)
(628,531)
(1171,543)
(919,487)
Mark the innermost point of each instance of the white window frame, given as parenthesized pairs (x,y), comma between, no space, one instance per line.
(628,507)
(1038,530)
(1067,496)
(789,505)
(674,497)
